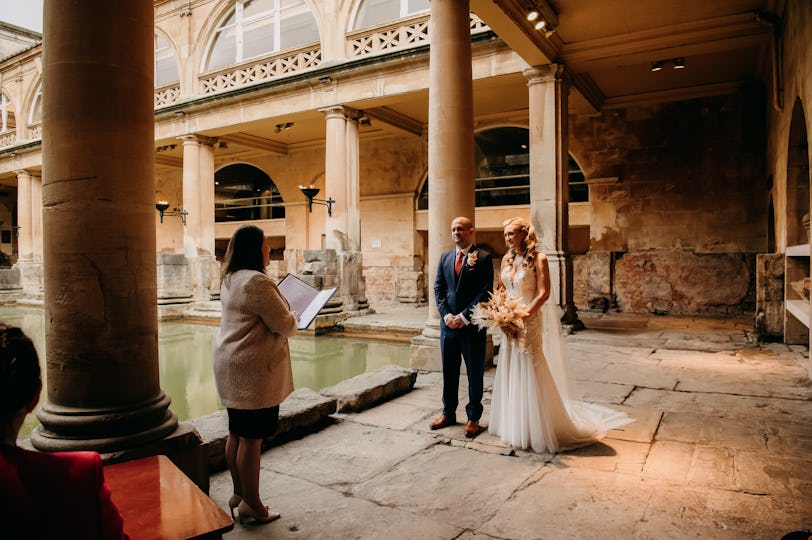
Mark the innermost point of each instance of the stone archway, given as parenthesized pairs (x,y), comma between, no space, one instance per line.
(796,273)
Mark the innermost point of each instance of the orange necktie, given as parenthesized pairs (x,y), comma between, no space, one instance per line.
(458,263)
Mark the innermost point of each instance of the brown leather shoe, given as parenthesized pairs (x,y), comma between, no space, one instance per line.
(443,421)
(471,428)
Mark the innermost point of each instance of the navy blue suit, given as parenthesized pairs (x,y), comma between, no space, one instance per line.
(458,295)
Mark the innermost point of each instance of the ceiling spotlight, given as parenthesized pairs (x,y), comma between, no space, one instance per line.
(541,24)
(679,63)
(657,66)
(533,15)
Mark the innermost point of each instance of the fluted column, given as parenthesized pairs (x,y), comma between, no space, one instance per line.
(549,173)
(451,133)
(101,327)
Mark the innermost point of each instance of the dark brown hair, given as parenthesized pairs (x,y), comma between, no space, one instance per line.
(20,376)
(244,251)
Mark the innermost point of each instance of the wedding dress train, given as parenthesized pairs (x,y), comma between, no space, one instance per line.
(533,404)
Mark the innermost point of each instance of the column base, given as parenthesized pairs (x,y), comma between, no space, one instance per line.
(65,429)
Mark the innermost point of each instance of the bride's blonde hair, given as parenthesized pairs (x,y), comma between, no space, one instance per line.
(529,242)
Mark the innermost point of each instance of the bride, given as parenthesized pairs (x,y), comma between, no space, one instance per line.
(533,405)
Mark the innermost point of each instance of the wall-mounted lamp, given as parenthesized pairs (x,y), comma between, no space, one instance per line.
(310,192)
(163,206)
(678,63)
(285,125)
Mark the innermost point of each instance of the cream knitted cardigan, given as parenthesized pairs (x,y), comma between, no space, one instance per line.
(251,356)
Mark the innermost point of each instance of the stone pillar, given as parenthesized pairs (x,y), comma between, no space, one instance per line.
(549,172)
(342,183)
(198,201)
(29,233)
(101,326)
(450,148)
(335,178)
(25,214)
(36,221)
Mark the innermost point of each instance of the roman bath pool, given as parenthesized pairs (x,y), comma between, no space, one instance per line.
(185,359)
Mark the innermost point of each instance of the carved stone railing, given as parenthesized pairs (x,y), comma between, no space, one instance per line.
(35,131)
(167,95)
(263,70)
(8,138)
(400,35)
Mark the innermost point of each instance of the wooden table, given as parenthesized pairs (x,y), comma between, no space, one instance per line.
(158,501)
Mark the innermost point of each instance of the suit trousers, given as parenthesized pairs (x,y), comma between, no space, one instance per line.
(468,343)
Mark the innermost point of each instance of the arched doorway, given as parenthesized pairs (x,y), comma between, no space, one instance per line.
(797,300)
(243,192)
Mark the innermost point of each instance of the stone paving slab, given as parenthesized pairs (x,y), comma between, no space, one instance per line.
(572,503)
(345,453)
(312,511)
(741,433)
(680,512)
(722,405)
(456,485)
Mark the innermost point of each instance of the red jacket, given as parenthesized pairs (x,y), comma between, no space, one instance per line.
(56,495)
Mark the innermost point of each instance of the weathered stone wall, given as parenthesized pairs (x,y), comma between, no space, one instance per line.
(681,225)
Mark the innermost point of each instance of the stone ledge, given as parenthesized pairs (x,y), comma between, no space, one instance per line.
(303,412)
(368,389)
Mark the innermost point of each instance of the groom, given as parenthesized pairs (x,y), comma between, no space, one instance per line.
(464,278)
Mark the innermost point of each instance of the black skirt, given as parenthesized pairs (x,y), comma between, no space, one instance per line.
(254,423)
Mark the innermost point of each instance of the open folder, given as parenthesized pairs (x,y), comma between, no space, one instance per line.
(304,299)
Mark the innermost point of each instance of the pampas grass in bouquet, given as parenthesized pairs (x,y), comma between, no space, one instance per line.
(500,311)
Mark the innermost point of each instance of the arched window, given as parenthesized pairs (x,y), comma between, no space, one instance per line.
(7,121)
(243,192)
(257,28)
(36,107)
(502,170)
(375,12)
(166,68)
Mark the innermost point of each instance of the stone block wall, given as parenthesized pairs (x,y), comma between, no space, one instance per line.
(678,231)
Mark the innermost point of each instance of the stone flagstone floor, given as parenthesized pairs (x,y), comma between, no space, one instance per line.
(722,448)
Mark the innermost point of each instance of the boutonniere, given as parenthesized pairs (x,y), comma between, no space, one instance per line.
(472,258)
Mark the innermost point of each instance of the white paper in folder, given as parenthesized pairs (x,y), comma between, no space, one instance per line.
(305,300)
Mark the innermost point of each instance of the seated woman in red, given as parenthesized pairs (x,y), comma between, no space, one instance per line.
(45,495)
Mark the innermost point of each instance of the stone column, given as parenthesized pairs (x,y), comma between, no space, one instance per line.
(342,183)
(198,201)
(29,234)
(25,217)
(450,148)
(335,177)
(549,172)
(36,220)
(101,326)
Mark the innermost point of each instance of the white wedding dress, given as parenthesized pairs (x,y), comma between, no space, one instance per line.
(533,404)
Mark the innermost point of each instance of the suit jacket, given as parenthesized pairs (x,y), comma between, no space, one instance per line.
(56,495)
(459,294)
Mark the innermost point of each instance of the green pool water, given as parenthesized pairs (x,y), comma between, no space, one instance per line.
(185,359)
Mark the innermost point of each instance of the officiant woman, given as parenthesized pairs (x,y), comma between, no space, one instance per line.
(252,368)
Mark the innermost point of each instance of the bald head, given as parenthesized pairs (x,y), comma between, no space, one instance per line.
(462,232)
